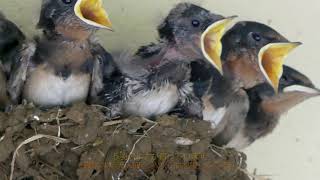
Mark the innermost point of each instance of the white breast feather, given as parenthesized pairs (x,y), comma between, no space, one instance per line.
(153,102)
(51,90)
(214,116)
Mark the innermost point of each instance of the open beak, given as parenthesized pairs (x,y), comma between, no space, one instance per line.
(93,13)
(211,42)
(271,60)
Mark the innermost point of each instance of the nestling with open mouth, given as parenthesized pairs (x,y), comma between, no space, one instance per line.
(61,67)
(247,55)
(252,54)
(156,78)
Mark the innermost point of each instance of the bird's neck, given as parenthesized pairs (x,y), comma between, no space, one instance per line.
(52,37)
(158,54)
(73,34)
(63,52)
(243,69)
(173,52)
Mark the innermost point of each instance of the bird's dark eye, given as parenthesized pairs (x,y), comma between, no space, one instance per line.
(256,36)
(195,23)
(67,1)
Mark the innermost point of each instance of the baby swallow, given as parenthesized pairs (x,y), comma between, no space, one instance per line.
(209,85)
(252,53)
(157,77)
(11,40)
(61,67)
(222,99)
(267,106)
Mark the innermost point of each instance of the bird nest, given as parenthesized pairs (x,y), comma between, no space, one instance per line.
(80,143)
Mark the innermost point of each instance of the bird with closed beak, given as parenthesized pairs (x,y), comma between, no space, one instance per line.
(267,106)
(63,66)
(156,78)
(11,40)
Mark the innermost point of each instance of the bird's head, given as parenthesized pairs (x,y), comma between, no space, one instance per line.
(185,25)
(255,53)
(64,15)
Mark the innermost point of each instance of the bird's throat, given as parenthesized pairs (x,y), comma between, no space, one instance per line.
(73,33)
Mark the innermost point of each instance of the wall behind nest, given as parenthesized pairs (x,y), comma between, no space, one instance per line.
(292,151)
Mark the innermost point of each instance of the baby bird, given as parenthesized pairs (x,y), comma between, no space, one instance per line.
(11,40)
(60,68)
(251,54)
(156,78)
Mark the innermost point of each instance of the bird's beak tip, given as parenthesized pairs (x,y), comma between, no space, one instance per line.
(298,43)
(110,28)
(232,17)
(220,71)
(293,45)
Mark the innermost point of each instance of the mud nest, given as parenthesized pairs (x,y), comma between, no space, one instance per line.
(80,143)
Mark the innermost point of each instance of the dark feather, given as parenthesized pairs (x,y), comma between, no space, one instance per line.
(103,67)
(17,78)
(148,51)
(11,37)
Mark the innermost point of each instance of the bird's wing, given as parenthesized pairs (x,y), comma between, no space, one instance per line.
(178,73)
(137,65)
(175,72)
(202,76)
(204,79)
(18,74)
(103,68)
(130,65)
(190,108)
(233,121)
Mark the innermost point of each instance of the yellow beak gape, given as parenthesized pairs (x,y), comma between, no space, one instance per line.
(271,60)
(211,42)
(93,13)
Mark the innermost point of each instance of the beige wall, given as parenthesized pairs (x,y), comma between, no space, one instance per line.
(292,151)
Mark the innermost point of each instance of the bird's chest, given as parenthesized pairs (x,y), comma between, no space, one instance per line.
(211,113)
(46,89)
(153,102)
